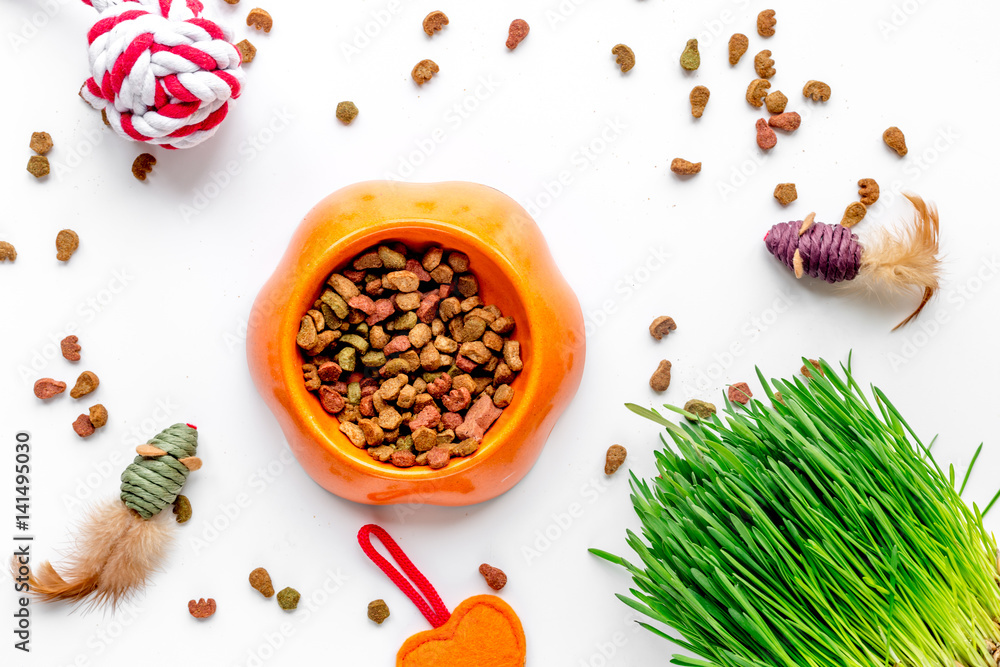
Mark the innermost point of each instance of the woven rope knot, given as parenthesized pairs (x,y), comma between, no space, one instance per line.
(150,484)
(830,252)
(161,73)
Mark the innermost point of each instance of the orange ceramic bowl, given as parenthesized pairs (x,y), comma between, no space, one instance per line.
(516,272)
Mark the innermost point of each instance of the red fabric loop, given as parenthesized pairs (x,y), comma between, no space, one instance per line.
(432,608)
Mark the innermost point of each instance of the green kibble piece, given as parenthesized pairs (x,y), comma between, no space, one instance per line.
(182,508)
(329,317)
(404,322)
(378,611)
(362,330)
(703,409)
(346,358)
(405,443)
(391,260)
(336,303)
(288,598)
(354,393)
(691,59)
(429,378)
(454,371)
(373,359)
(355,341)
(347,111)
(395,367)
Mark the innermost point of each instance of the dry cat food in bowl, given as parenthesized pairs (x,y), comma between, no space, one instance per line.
(417,343)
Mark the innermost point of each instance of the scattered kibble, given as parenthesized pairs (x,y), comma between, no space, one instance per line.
(682,167)
(288,598)
(775,102)
(763,64)
(41,142)
(494,576)
(853,214)
(766,138)
(260,19)
(660,380)
(85,384)
(423,71)
(247,51)
(98,415)
(894,139)
(766,23)
(202,608)
(785,193)
(347,112)
(261,582)
(787,122)
(738,45)
(519,29)
(233,2)
(83,427)
(739,393)
(70,346)
(143,165)
(182,508)
(757,91)
(378,611)
(816,365)
(690,58)
(817,91)
(624,57)
(699,100)
(662,326)
(434,22)
(7,252)
(701,409)
(868,190)
(46,388)
(614,459)
(38,166)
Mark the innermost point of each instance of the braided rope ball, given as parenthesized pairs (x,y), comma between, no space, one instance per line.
(829,252)
(161,73)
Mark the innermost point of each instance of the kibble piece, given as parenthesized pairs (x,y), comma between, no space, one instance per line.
(868,190)
(787,122)
(763,64)
(46,388)
(690,58)
(260,580)
(83,427)
(660,379)
(346,112)
(766,138)
(816,365)
(142,166)
(757,91)
(699,100)
(7,251)
(662,326)
(817,91)
(785,193)
(682,167)
(503,395)
(739,393)
(434,22)
(518,30)
(67,242)
(260,19)
(202,608)
(766,23)
(614,459)
(701,409)
(182,508)
(70,346)
(38,166)
(894,139)
(738,45)
(247,51)
(98,415)
(776,102)
(494,576)
(288,598)
(378,611)
(85,384)
(624,57)
(424,70)
(853,214)
(41,142)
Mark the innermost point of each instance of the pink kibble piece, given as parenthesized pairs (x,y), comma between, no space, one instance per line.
(740,393)
(480,417)
(766,138)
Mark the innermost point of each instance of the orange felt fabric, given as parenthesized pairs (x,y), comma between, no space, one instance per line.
(483,631)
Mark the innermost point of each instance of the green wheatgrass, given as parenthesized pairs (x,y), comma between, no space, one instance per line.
(815,532)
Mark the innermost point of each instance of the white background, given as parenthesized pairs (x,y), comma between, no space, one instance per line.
(160,289)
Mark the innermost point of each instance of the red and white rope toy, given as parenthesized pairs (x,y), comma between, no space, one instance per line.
(161,73)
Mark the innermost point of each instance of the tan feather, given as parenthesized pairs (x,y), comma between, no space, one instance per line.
(903,260)
(114,554)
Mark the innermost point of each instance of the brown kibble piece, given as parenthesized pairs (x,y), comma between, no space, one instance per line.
(7,251)
(817,91)
(378,611)
(699,100)
(83,427)
(660,380)
(853,214)
(785,193)
(766,138)
(260,580)
(260,19)
(424,70)
(624,57)
(775,102)
(662,326)
(787,122)
(739,393)
(346,113)
(182,508)
(38,166)
(434,22)
(815,364)
(143,165)
(46,388)
(738,45)
(85,384)
(763,64)
(70,346)
(247,51)
(766,23)
(757,91)
(233,2)
(66,244)
(894,139)
(98,415)
(868,190)
(682,167)
(494,576)
(41,142)
(202,608)
(518,30)
(614,459)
